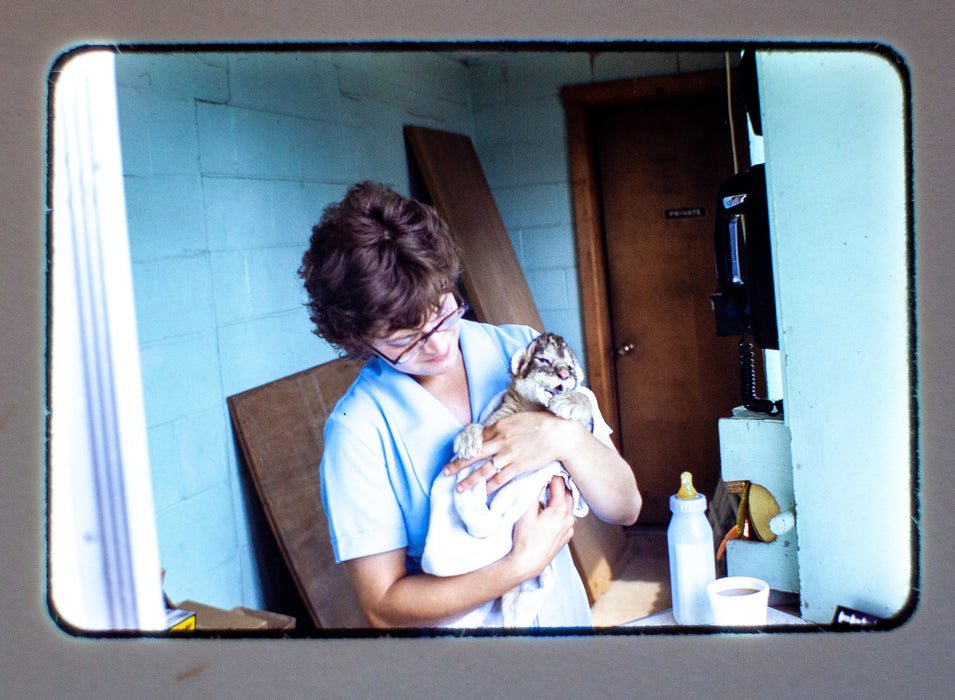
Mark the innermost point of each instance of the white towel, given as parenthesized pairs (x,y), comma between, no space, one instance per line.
(470,530)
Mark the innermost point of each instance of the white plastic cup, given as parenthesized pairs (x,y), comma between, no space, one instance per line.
(738,600)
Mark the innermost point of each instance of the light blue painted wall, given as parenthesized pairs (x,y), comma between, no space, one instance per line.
(228,161)
(834,140)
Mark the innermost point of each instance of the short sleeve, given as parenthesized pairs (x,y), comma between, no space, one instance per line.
(364,516)
(601,429)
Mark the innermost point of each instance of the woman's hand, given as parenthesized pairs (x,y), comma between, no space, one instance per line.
(526,441)
(541,532)
(517,444)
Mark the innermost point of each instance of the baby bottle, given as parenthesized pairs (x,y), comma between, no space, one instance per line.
(692,558)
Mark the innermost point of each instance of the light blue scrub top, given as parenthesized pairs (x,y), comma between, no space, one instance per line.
(385,442)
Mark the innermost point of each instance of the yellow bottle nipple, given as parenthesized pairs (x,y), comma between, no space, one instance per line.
(686,486)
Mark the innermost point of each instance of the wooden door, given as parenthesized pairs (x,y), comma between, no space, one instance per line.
(657,162)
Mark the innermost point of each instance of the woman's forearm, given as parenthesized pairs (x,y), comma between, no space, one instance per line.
(389,597)
(424,600)
(604,478)
(526,441)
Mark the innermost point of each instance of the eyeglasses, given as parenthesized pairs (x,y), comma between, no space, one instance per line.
(408,354)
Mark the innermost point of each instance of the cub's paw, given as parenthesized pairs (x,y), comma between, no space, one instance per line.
(469,441)
(571,406)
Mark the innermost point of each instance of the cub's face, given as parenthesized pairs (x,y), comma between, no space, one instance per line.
(549,364)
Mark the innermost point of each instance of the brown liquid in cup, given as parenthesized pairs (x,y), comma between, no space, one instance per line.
(738,591)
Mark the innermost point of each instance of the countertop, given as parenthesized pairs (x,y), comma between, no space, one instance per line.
(665,619)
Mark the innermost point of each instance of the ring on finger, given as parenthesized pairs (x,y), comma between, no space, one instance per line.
(497,469)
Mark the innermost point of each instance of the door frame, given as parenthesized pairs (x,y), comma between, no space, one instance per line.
(578,102)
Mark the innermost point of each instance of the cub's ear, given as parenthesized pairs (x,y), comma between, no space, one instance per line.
(520,361)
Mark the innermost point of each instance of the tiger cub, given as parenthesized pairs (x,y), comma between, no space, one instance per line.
(545,375)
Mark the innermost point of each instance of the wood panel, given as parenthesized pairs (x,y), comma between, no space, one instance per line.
(279,427)
(594,303)
(499,293)
(492,276)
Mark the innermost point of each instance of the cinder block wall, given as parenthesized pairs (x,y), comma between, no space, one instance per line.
(228,161)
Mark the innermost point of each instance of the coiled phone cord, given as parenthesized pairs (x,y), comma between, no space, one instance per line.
(747,381)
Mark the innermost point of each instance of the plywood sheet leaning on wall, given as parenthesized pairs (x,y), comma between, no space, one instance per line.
(279,427)
(499,293)
(492,276)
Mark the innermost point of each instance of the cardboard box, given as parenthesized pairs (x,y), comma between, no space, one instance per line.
(209,618)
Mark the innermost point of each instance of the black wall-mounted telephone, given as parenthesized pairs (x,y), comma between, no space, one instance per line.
(746,301)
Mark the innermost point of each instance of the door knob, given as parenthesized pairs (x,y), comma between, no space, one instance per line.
(625,349)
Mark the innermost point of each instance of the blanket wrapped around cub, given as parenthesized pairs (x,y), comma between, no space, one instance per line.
(470,530)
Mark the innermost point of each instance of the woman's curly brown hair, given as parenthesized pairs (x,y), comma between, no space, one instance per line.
(377,262)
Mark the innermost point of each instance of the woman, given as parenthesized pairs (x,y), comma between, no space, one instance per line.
(381,274)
